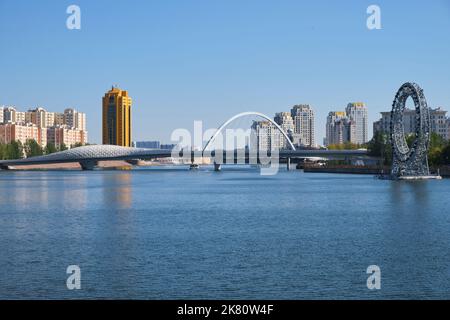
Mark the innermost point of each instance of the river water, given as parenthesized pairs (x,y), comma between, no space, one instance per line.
(171,233)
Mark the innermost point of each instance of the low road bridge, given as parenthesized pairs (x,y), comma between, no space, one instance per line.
(89,156)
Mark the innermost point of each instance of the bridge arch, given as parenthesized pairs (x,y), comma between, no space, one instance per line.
(248,113)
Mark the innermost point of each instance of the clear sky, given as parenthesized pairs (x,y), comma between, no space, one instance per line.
(208,59)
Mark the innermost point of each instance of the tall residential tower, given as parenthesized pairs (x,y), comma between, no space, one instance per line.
(284,120)
(303,116)
(117,118)
(340,129)
(357,113)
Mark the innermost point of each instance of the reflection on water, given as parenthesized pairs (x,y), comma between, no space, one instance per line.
(74,191)
(403,192)
(117,189)
(156,233)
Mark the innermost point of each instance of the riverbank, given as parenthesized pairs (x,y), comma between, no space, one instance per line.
(74,166)
(443,171)
(124,165)
(345,169)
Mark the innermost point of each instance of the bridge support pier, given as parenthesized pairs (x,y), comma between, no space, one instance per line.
(217,167)
(133,162)
(288,164)
(88,164)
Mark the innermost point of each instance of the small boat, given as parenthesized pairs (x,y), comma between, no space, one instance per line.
(194,166)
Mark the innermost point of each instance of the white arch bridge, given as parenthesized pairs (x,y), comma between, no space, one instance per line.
(248,113)
(89,156)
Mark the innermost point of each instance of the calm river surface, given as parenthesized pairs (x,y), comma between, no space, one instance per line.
(163,233)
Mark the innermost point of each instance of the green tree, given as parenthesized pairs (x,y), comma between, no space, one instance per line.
(410,139)
(345,146)
(380,146)
(32,148)
(50,148)
(77,145)
(13,150)
(437,141)
(435,146)
(445,155)
(435,149)
(2,151)
(62,147)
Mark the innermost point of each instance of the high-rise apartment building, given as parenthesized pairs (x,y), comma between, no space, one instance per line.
(284,120)
(303,117)
(59,135)
(59,119)
(439,122)
(41,117)
(340,129)
(344,131)
(448,128)
(349,126)
(357,112)
(74,119)
(9,115)
(68,127)
(22,132)
(117,118)
(332,118)
(21,117)
(268,137)
(297,124)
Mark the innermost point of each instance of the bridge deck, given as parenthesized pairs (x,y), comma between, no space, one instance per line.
(90,154)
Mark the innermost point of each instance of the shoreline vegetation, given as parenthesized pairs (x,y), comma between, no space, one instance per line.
(31,148)
(438,149)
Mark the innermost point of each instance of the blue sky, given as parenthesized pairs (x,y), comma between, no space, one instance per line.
(208,60)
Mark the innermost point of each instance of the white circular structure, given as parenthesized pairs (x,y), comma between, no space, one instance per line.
(410,161)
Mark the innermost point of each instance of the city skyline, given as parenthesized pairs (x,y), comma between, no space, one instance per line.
(346,130)
(211,69)
(60,129)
